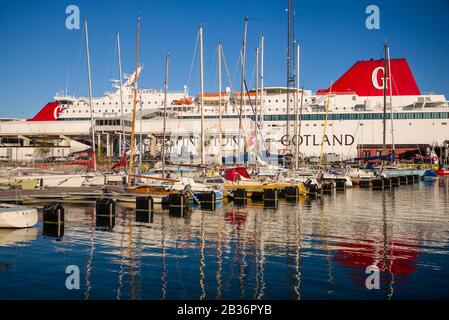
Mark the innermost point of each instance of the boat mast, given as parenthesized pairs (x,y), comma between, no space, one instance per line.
(325,125)
(92,123)
(123,146)
(290,61)
(296,110)
(242,88)
(262,100)
(131,159)
(384,120)
(220,110)
(391,101)
(256,121)
(203,160)
(140,135)
(167,60)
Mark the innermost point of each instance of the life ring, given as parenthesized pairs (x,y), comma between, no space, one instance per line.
(434,158)
(44,166)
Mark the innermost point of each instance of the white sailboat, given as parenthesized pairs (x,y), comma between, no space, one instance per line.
(16,216)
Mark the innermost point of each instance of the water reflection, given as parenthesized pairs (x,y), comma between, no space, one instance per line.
(315,248)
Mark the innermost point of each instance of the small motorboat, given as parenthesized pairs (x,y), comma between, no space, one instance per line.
(16,216)
(429,174)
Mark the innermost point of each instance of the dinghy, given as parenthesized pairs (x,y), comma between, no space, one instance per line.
(15,216)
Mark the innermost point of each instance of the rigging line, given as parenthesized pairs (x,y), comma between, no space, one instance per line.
(249,97)
(237,65)
(193,59)
(227,70)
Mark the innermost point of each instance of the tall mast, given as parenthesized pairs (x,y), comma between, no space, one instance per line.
(131,159)
(203,160)
(262,99)
(296,110)
(242,83)
(220,111)
(256,121)
(167,60)
(384,120)
(391,100)
(325,125)
(140,135)
(123,146)
(92,123)
(290,59)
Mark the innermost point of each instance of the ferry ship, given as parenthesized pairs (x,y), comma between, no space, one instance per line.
(353,108)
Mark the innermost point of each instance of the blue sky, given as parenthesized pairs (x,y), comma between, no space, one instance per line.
(39,56)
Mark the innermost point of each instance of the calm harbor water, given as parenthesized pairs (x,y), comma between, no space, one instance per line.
(316,249)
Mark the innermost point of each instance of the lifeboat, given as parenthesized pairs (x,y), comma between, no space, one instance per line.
(185,101)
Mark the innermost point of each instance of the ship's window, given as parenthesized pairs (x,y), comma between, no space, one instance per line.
(282,100)
(269,101)
(277,101)
(444,123)
(109,103)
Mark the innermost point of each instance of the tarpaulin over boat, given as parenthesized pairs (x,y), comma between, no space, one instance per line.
(121,163)
(234,173)
(88,163)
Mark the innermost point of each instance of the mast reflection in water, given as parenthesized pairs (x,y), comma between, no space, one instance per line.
(315,249)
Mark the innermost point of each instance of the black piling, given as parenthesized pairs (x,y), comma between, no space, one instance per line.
(240,197)
(53,220)
(387,183)
(105,214)
(395,181)
(178,204)
(270,198)
(416,178)
(340,184)
(144,208)
(377,183)
(365,183)
(403,180)
(208,200)
(291,194)
(328,187)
